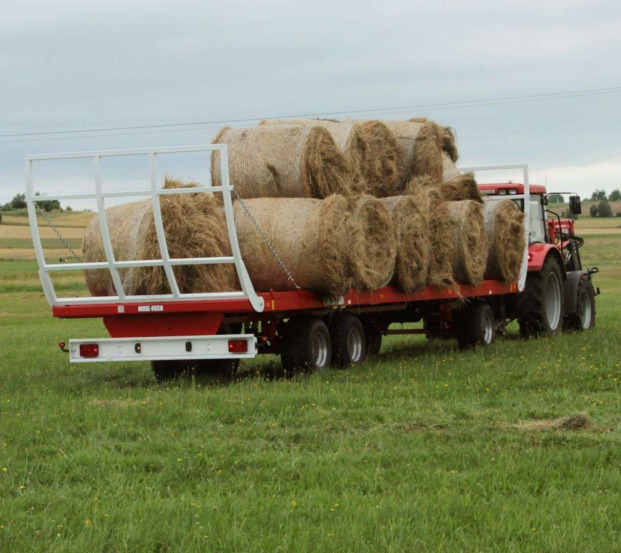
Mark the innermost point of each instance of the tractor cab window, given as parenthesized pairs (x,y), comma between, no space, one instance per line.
(537,220)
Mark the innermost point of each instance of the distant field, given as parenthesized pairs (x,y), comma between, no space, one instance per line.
(423,448)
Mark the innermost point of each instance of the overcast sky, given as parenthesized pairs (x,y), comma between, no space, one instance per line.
(67,65)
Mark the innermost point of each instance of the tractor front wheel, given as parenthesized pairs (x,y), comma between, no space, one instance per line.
(584,316)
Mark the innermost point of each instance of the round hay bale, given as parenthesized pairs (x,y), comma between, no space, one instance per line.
(382,162)
(194,225)
(468,228)
(420,148)
(410,218)
(457,186)
(445,136)
(372,244)
(310,236)
(350,139)
(283,161)
(504,226)
(440,273)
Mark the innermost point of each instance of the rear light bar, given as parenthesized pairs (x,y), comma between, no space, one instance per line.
(225,346)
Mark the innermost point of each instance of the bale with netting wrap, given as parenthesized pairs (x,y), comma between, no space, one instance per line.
(455,185)
(504,226)
(382,161)
(469,237)
(283,161)
(310,237)
(194,225)
(372,244)
(411,223)
(350,139)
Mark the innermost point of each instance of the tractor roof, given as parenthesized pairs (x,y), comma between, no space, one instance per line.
(509,188)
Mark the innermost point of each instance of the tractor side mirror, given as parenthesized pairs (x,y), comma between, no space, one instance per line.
(574,205)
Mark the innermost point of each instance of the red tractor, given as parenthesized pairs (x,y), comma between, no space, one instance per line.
(558,291)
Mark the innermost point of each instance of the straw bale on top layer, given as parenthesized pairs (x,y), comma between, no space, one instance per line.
(420,149)
(349,137)
(194,225)
(382,163)
(468,228)
(504,226)
(310,236)
(411,222)
(444,135)
(283,161)
(372,244)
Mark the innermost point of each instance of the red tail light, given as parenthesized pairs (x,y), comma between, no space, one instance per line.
(238,346)
(89,350)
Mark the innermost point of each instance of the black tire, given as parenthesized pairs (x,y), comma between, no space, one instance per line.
(168,370)
(475,326)
(584,316)
(540,305)
(305,345)
(348,340)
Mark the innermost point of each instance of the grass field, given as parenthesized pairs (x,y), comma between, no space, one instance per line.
(423,448)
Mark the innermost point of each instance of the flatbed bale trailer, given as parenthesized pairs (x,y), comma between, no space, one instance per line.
(212,332)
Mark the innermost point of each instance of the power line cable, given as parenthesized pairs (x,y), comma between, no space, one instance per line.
(202,125)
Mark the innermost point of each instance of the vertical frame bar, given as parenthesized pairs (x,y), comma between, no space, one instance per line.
(46,282)
(244,278)
(105,232)
(159,228)
(524,268)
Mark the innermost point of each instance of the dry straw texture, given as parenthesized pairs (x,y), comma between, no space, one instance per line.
(444,135)
(194,225)
(440,234)
(382,163)
(372,244)
(468,228)
(455,185)
(283,161)
(348,137)
(420,148)
(411,222)
(310,236)
(504,226)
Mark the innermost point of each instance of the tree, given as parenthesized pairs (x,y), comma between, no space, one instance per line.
(593,211)
(615,195)
(18,201)
(598,195)
(604,209)
(555,199)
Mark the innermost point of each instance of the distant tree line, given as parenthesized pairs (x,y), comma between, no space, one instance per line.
(19,202)
(603,208)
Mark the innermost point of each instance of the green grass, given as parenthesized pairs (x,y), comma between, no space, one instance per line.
(420,449)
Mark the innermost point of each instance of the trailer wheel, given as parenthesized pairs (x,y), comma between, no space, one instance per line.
(584,316)
(372,336)
(475,326)
(305,344)
(540,305)
(168,370)
(348,340)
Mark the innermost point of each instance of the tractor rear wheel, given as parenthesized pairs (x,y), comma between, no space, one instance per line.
(475,326)
(348,340)
(305,344)
(540,305)
(584,316)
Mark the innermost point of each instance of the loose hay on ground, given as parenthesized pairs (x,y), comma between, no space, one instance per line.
(468,228)
(350,139)
(283,161)
(372,244)
(504,227)
(577,421)
(411,222)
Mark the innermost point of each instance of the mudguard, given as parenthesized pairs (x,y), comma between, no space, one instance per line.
(570,287)
(538,253)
